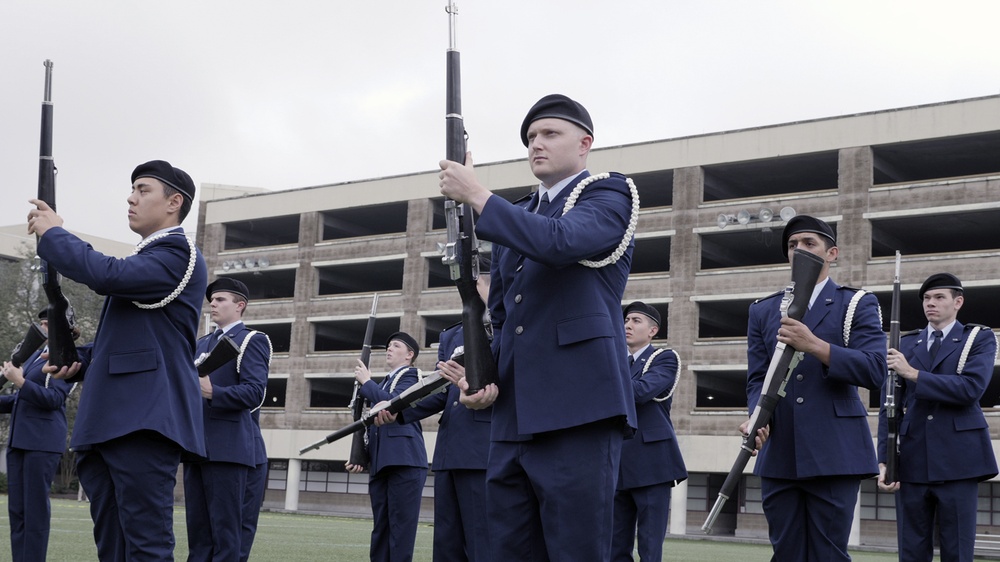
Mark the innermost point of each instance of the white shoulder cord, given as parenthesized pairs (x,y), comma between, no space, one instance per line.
(270,355)
(633,219)
(968,347)
(849,316)
(187,274)
(48,377)
(399,375)
(677,376)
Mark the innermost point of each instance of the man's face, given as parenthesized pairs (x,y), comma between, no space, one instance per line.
(397,354)
(149,209)
(941,306)
(639,329)
(225,309)
(557,149)
(44,325)
(816,245)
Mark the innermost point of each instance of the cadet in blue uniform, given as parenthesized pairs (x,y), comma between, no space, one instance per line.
(460,456)
(820,444)
(36,441)
(214,489)
(944,441)
(142,407)
(253,496)
(564,403)
(651,461)
(398,464)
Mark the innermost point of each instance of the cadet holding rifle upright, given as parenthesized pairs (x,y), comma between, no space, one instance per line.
(561,258)
(820,446)
(944,443)
(142,407)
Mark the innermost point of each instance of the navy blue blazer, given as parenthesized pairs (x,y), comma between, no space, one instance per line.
(230,432)
(557,323)
(944,435)
(463,437)
(820,427)
(38,410)
(393,444)
(653,456)
(139,371)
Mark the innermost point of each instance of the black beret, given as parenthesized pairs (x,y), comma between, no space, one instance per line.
(407,340)
(643,308)
(163,171)
(228,285)
(805,223)
(940,281)
(559,107)
(43,314)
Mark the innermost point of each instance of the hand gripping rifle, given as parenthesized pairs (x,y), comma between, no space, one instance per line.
(359,445)
(426,386)
(62,349)
(805,270)
(893,411)
(461,253)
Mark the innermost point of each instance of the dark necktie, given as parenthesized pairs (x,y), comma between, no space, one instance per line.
(543,204)
(936,344)
(217,335)
(631,360)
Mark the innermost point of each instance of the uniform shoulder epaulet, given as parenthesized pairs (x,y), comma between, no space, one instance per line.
(772,295)
(455,325)
(910,333)
(980,326)
(842,287)
(524,198)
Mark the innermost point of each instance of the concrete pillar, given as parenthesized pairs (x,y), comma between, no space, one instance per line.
(678,509)
(292,485)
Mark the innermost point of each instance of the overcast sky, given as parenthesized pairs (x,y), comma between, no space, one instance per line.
(299,93)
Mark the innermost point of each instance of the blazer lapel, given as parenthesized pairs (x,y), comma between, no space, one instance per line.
(822,306)
(951,343)
(921,357)
(556,205)
(640,363)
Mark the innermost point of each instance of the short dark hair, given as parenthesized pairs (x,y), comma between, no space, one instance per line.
(169,192)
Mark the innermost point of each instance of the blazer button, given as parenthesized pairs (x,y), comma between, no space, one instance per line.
(800,400)
(519,268)
(799,377)
(518,330)
(517,298)
(930,417)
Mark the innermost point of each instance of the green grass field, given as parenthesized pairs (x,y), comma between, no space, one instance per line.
(300,538)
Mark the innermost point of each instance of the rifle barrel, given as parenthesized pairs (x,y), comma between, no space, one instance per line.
(805,272)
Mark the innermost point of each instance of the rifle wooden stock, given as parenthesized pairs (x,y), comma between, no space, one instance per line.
(805,271)
(359,449)
(462,250)
(431,384)
(33,339)
(893,411)
(223,352)
(62,349)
